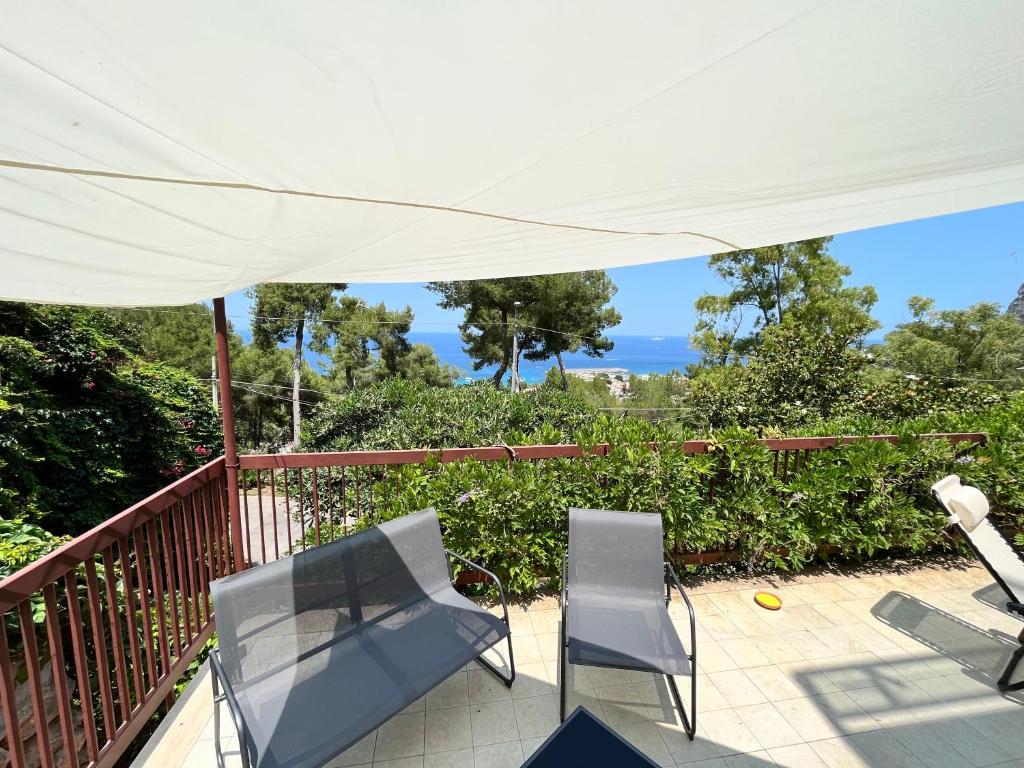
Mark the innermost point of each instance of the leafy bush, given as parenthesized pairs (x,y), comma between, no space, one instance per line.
(399,414)
(859,499)
(87,427)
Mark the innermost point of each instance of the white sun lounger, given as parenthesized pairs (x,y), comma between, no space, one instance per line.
(967,508)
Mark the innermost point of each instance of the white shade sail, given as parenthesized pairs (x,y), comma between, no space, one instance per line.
(166,153)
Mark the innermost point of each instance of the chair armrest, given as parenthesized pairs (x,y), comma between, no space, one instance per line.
(689,608)
(491,576)
(228,695)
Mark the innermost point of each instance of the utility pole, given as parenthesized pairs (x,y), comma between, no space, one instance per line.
(515,345)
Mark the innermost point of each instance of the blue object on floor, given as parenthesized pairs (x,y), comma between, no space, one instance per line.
(583,741)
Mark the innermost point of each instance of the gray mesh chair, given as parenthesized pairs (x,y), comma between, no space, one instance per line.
(613,610)
(319,649)
(967,508)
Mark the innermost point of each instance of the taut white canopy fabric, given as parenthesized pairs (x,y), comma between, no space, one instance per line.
(165,153)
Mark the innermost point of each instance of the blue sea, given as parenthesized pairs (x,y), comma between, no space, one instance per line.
(636,354)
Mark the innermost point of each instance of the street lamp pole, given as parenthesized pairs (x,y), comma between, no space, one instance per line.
(515,345)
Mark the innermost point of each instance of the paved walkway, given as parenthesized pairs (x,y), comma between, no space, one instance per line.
(889,667)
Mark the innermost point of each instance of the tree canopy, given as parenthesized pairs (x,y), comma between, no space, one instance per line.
(281,311)
(560,313)
(570,314)
(798,282)
(980,342)
(90,427)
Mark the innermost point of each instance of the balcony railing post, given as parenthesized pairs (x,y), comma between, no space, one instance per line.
(227,413)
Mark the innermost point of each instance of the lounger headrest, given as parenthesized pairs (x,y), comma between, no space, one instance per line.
(967,505)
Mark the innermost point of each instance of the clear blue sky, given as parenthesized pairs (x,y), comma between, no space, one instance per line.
(958,260)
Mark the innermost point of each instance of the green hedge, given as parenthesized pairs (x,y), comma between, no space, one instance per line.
(864,498)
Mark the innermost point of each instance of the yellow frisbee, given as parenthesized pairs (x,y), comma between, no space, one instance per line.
(768,600)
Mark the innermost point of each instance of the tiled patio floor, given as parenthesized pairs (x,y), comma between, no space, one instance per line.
(890,667)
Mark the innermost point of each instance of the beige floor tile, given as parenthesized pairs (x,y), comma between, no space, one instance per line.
(484,686)
(657,698)
(401,736)
(808,677)
(417,706)
(519,622)
(453,692)
(925,741)
(977,749)
(360,753)
(728,602)
(882,748)
(737,688)
(586,699)
(545,622)
(534,680)
(461,758)
(576,676)
(745,652)
(840,753)
(1003,729)
(726,729)
(645,736)
(768,726)
(857,670)
(840,640)
(493,722)
(548,645)
(845,713)
(712,658)
(602,677)
(778,649)
(720,626)
(505,755)
(448,729)
(806,617)
(752,624)
(684,751)
(403,762)
(530,746)
(536,717)
(621,704)
(795,756)
(759,759)
(807,717)
(527,650)
(773,683)
(868,638)
(809,646)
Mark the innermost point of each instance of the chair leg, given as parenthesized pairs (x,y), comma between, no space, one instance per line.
(1004,683)
(217,699)
(494,670)
(563,658)
(689,726)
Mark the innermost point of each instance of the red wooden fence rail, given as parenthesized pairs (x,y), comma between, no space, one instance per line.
(125,607)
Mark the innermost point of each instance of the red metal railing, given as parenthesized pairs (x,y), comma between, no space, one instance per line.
(104,626)
(115,616)
(292,501)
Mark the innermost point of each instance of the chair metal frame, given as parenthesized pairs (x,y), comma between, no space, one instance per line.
(671,579)
(223,692)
